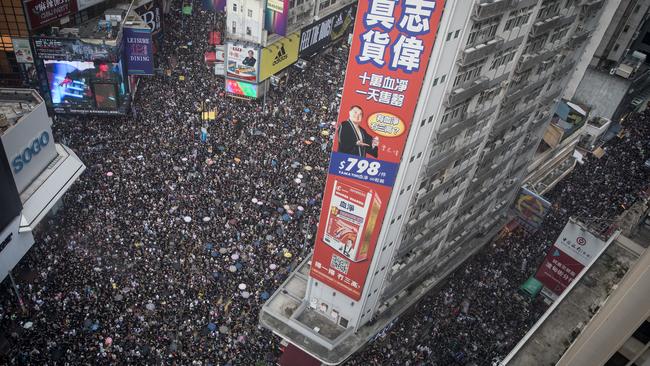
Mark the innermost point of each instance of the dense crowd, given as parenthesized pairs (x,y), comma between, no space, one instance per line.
(167,246)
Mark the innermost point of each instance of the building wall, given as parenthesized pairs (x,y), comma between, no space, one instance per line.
(245,20)
(610,333)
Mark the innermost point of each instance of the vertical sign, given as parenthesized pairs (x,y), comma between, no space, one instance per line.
(388,58)
(277,16)
(138,49)
(575,249)
(22,50)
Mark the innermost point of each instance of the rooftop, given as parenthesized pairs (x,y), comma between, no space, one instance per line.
(15,103)
(545,344)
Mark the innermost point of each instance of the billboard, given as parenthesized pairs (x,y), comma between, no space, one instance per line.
(152,14)
(138,51)
(386,67)
(29,146)
(279,55)
(43,12)
(22,50)
(242,62)
(575,249)
(276,16)
(241,88)
(530,209)
(325,31)
(51,48)
(9,198)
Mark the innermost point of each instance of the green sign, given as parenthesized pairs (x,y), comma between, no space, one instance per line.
(531,287)
(187,9)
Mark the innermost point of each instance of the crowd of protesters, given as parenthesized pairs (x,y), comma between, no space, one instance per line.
(170,242)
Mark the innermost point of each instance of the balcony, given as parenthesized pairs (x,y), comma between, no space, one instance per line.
(549,24)
(483,83)
(489,9)
(480,51)
(577,39)
(529,60)
(564,70)
(454,129)
(590,6)
(523,91)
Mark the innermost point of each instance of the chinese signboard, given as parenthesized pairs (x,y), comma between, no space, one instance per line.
(318,35)
(575,249)
(83,4)
(276,16)
(138,51)
(44,12)
(242,62)
(531,209)
(279,55)
(389,55)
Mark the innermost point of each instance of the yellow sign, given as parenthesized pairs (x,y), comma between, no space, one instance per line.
(279,55)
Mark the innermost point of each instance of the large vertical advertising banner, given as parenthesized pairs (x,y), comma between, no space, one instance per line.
(138,51)
(575,249)
(389,55)
(43,12)
(242,62)
(531,209)
(276,16)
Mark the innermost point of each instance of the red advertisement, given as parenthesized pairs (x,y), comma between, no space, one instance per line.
(558,270)
(390,51)
(43,12)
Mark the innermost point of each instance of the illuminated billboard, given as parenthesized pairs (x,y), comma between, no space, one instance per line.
(276,16)
(279,55)
(241,88)
(388,58)
(531,209)
(242,62)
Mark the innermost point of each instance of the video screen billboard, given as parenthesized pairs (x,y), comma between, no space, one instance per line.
(386,67)
(276,16)
(75,86)
(241,88)
(242,62)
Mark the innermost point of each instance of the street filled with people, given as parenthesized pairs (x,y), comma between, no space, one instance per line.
(170,242)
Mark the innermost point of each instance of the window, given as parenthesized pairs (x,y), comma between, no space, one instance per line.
(469,72)
(488,95)
(250,13)
(559,33)
(518,18)
(535,44)
(549,9)
(344,322)
(455,113)
(449,36)
(234,27)
(457,33)
(248,31)
(642,334)
(617,360)
(483,31)
(626,28)
(503,57)
(616,46)
(234,7)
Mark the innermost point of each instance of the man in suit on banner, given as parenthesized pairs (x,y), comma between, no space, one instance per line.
(353,139)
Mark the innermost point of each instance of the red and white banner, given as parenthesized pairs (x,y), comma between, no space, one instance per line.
(391,47)
(575,249)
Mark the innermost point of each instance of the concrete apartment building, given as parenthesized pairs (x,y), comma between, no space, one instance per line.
(496,72)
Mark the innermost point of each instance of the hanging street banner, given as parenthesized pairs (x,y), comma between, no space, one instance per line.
(390,51)
(138,51)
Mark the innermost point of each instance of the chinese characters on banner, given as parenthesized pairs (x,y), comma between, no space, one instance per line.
(43,12)
(391,47)
(574,250)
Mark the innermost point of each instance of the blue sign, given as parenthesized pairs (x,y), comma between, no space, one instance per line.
(138,49)
(364,169)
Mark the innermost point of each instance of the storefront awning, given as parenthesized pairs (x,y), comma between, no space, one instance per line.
(41,195)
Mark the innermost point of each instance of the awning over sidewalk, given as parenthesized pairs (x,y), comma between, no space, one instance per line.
(293,356)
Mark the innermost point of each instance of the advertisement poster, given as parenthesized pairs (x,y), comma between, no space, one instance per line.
(531,209)
(43,12)
(276,16)
(279,55)
(83,4)
(22,50)
(325,31)
(242,62)
(214,5)
(138,51)
(386,67)
(50,48)
(575,249)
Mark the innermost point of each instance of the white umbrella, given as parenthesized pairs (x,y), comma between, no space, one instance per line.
(273,266)
(245,294)
(312,138)
(260,203)
(297,180)
(184,159)
(232,269)
(235,256)
(206,219)
(254,200)
(286,207)
(28,325)
(299,176)
(150,306)
(300,208)
(223,250)
(109,174)
(242,286)
(187,219)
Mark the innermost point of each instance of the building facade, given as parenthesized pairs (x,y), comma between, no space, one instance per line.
(36,171)
(496,71)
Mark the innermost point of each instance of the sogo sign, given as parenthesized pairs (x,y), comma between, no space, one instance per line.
(25,157)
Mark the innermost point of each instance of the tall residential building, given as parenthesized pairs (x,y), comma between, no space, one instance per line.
(489,89)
